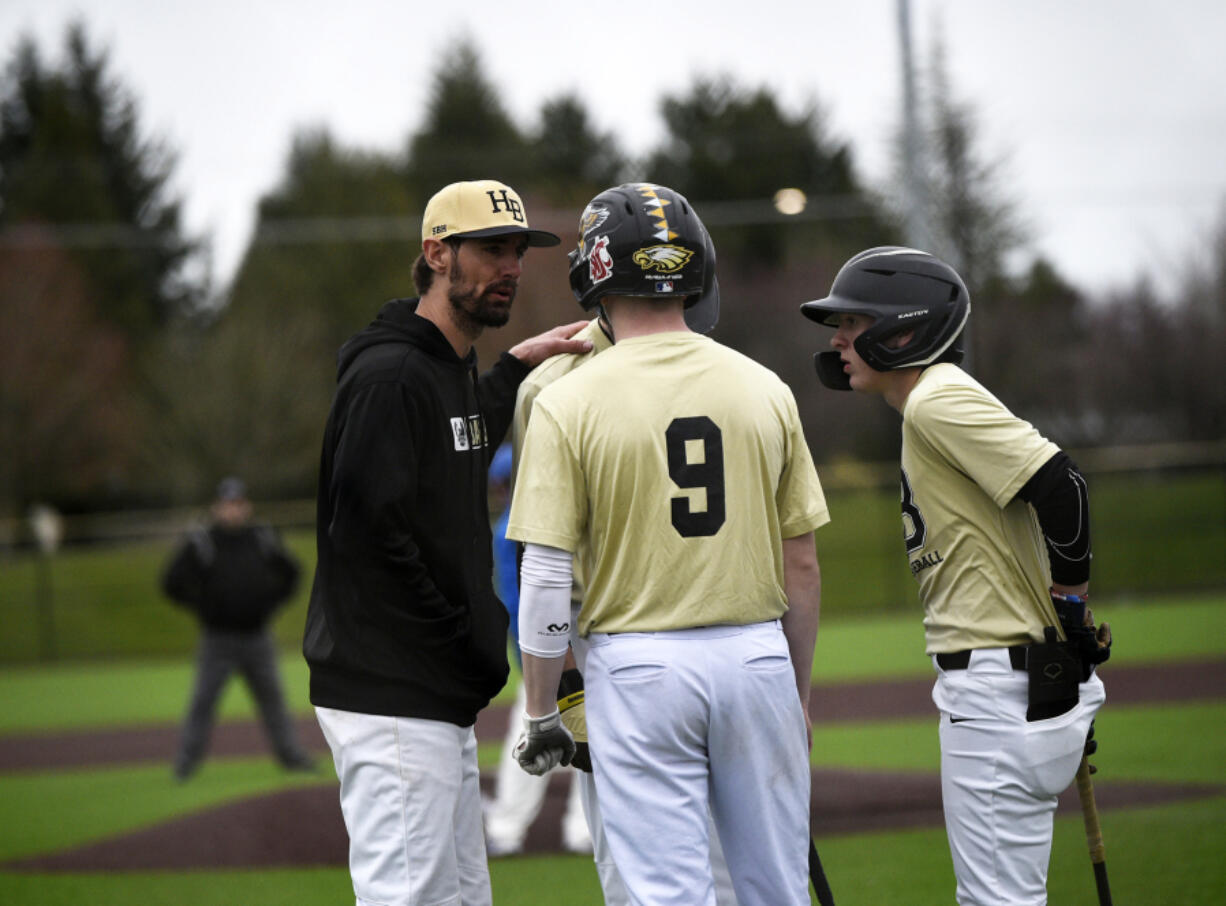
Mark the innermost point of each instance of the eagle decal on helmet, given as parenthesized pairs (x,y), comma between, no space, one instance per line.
(667,259)
(593,216)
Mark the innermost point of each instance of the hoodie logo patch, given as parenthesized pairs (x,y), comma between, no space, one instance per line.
(468,433)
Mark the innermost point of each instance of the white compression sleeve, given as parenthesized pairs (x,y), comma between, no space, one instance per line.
(544,601)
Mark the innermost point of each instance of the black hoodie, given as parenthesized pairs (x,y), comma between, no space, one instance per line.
(403,619)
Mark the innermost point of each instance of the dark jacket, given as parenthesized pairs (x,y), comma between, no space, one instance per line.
(233,579)
(403,619)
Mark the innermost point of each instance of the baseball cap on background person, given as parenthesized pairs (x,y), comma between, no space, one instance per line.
(231,488)
(476,208)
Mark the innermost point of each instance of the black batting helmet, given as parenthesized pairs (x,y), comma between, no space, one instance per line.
(640,239)
(901,289)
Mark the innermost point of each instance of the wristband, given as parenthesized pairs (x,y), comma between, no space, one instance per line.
(1069,599)
(543,723)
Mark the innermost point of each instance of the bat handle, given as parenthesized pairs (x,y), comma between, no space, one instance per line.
(1094,833)
(1089,811)
(817,875)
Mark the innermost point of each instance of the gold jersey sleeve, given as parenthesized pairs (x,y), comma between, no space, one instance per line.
(679,466)
(537,380)
(545,374)
(975,548)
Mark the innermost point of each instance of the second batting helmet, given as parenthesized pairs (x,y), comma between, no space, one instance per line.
(902,289)
(640,239)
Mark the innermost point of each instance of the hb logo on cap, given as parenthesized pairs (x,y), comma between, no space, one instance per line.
(477,208)
(505,200)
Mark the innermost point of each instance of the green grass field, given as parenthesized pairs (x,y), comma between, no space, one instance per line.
(1153,534)
(1162,854)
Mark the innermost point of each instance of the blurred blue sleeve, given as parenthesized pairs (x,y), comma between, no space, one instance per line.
(506,572)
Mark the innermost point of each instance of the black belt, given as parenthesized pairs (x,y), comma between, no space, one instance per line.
(960,660)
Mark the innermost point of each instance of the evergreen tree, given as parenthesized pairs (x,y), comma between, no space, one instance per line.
(334,239)
(573,161)
(974,221)
(337,236)
(74,161)
(730,149)
(466,132)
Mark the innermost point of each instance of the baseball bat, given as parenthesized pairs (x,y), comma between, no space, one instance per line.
(1094,833)
(817,875)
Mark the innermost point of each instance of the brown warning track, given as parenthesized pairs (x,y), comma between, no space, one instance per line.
(880,700)
(303,827)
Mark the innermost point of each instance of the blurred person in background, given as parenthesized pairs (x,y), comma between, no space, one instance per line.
(519,795)
(233,575)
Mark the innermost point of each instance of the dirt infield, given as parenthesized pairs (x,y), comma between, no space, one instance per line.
(303,827)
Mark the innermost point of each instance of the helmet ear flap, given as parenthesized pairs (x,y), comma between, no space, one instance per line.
(575,275)
(702,316)
(830,370)
(702,312)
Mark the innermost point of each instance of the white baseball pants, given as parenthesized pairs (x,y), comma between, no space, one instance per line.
(411,797)
(693,725)
(610,879)
(1000,777)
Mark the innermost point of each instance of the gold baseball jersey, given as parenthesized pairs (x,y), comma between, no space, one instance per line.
(541,377)
(975,548)
(682,465)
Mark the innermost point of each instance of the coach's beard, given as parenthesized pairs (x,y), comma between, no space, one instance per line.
(489,308)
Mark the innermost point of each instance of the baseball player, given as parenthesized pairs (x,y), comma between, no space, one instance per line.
(997,532)
(678,469)
(701,317)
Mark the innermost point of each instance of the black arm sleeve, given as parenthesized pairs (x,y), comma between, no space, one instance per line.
(1057,491)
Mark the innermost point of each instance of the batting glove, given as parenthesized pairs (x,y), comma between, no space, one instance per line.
(1092,645)
(544,744)
(574,717)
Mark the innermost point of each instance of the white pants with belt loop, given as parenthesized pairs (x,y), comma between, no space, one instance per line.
(411,797)
(1001,776)
(693,725)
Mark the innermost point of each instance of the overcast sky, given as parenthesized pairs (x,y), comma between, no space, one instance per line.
(1110,115)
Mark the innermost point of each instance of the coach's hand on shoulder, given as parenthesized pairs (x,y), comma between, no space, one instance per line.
(557,341)
(544,744)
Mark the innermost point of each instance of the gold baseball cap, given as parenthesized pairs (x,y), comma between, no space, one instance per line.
(483,207)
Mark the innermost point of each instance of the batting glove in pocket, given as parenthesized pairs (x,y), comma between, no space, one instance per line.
(574,717)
